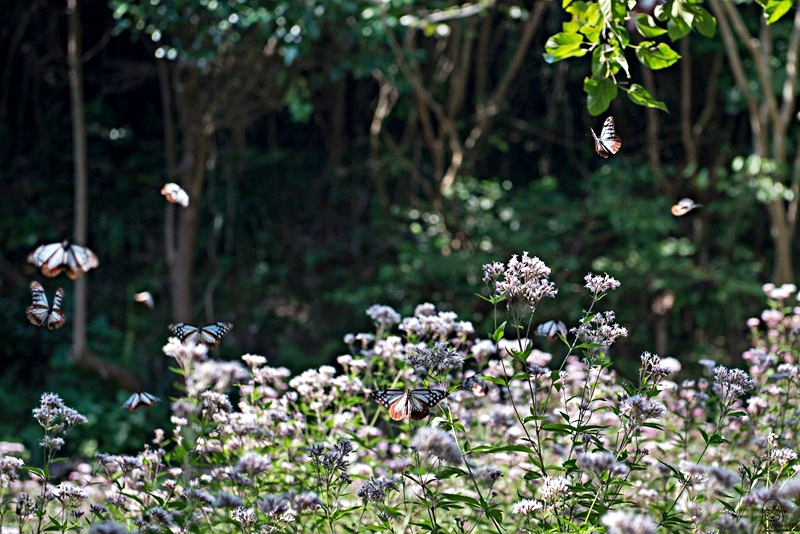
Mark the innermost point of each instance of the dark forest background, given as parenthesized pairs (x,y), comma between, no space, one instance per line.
(340,154)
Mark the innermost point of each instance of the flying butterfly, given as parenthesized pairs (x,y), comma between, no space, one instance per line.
(414,403)
(139,399)
(210,335)
(40,313)
(145,298)
(609,142)
(684,206)
(175,194)
(476,384)
(57,257)
(551,329)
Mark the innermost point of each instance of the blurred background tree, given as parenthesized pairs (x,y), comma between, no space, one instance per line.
(339,154)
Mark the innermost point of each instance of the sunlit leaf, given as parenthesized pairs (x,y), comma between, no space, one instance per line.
(563,45)
(775,9)
(656,56)
(639,95)
(647,26)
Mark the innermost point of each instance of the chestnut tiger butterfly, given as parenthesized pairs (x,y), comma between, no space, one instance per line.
(684,206)
(609,142)
(476,384)
(414,403)
(40,313)
(139,399)
(210,335)
(57,257)
(175,194)
(551,329)
(145,298)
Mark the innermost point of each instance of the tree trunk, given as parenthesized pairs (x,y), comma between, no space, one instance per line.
(79,161)
(80,355)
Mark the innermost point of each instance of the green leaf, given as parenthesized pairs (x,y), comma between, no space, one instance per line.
(619,59)
(454,497)
(563,45)
(775,9)
(600,57)
(704,22)
(485,449)
(613,10)
(661,12)
(677,29)
(656,56)
(639,95)
(599,94)
(647,26)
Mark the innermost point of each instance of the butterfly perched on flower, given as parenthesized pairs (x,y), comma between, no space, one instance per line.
(476,384)
(139,399)
(414,403)
(609,142)
(57,257)
(40,313)
(175,194)
(684,206)
(210,335)
(551,329)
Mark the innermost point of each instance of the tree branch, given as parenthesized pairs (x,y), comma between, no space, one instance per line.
(446,124)
(737,69)
(754,46)
(711,96)
(790,85)
(493,105)
(686,104)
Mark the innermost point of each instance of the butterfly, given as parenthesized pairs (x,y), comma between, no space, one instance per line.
(139,399)
(414,403)
(40,313)
(57,257)
(551,329)
(684,206)
(476,384)
(609,142)
(144,298)
(175,194)
(210,335)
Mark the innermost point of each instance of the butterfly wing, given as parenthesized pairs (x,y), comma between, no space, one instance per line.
(147,399)
(145,298)
(393,399)
(56,318)
(212,334)
(420,402)
(185,332)
(678,210)
(38,311)
(79,260)
(133,403)
(476,384)
(50,258)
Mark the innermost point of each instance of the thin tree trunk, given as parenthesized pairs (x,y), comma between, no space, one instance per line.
(79,161)
(80,355)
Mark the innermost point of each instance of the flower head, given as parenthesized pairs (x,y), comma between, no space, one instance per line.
(600,285)
(384,316)
(436,444)
(437,360)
